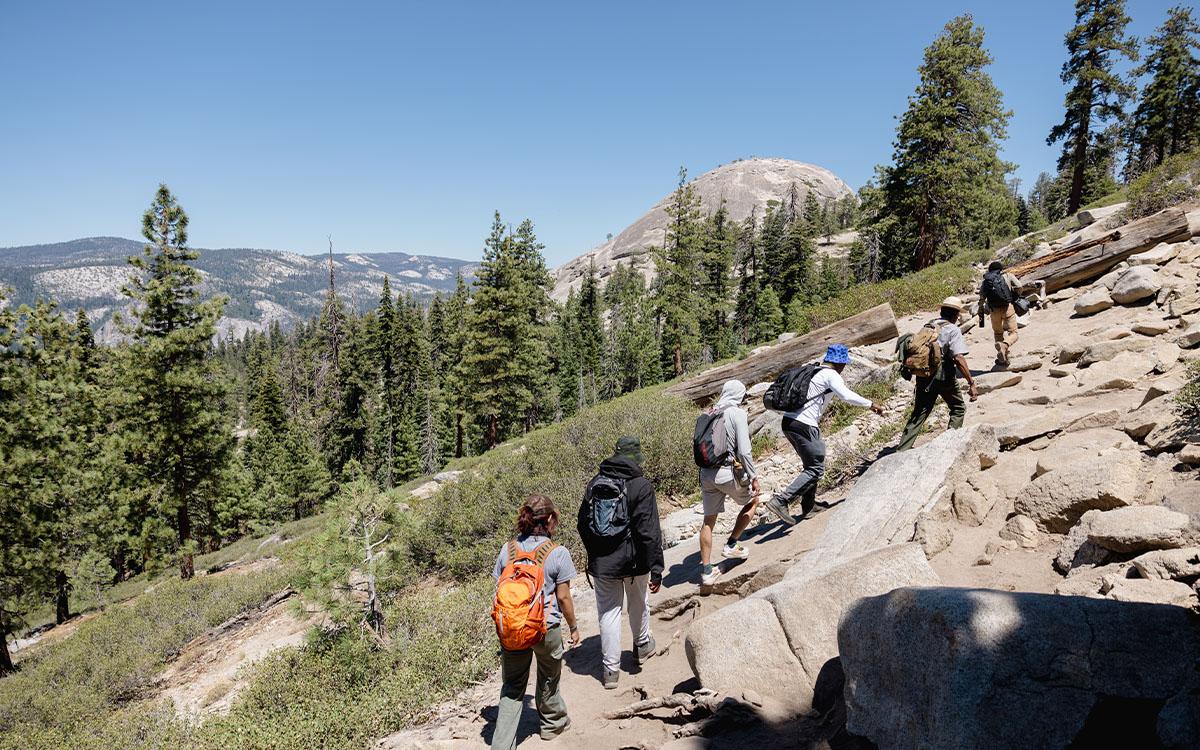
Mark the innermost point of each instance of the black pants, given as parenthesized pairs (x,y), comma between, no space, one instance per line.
(807,442)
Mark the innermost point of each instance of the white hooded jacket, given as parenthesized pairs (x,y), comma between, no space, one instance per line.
(737,427)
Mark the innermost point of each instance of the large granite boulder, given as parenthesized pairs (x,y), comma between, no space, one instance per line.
(1136,284)
(780,641)
(1170,564)
(977,668)
(886,501)
(1092,302)
(1106,480)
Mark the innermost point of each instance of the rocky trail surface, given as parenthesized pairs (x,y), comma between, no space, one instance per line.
(1058,531)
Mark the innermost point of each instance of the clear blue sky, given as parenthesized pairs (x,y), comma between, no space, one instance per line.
(401,126)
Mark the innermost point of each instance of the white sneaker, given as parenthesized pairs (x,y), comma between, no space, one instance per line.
(708,579)
(780,511)
(735,551)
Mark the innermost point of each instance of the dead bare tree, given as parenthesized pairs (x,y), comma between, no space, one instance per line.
(367,529)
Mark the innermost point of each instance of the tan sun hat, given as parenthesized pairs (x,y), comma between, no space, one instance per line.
(954,303)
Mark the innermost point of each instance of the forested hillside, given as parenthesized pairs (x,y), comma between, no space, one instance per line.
(141,463)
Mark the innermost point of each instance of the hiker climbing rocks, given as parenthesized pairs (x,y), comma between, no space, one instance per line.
(618,523)
(533,598)
(721,448)
(935,356)
(803,394)
(998,298)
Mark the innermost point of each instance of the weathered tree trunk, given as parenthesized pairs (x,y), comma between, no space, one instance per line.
(62,598)
(1073,265)
(6,664)
(187,566)
(869,327)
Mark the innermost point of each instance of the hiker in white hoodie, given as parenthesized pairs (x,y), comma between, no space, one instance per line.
(737,480)
(802,428)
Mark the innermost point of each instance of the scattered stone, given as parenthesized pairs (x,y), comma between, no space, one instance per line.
(1057,499)
(1070,351)
(1106,418)
(1164,356)
(1183,305)
(1058,371)
(1163,386)
(1022,530)
(1092,215)
(993,381)
(1062,295)
(933,535)
(1190,336)
(1092,581)
(1109,280)
(1190,454)
(971,506)
(1170,564)
(1076,550)
(977,668)
(1135,285)
(1024,364)
(1106,350)
(1155,256)
(1147,418)
(1151,327)
(1153,592)
(1092,302)
(1137,528)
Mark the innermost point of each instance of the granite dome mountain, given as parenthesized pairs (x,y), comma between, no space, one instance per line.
(263,286)
(744,185)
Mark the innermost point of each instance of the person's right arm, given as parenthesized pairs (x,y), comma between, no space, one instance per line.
(965,369)
(837,384)
(566,605)
(647,532)
(744,449)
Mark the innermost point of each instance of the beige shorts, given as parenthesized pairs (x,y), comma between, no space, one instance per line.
(716,485)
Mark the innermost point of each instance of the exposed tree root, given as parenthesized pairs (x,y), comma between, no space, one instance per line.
(711,712)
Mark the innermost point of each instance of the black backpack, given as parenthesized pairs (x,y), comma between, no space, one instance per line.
(789,392)
(606,508)
(996,290)
(710,442)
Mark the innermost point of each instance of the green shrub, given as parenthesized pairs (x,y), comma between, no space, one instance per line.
(64,694)
(840,414)
(461,528)
(341,691)
(908,294)
(1174,181)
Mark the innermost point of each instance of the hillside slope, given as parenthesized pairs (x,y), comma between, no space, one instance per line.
(743,186)
(263,286)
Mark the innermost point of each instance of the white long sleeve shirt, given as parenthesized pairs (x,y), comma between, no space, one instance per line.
(824,386)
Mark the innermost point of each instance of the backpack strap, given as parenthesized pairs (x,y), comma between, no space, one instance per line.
(513,551)
(543,551)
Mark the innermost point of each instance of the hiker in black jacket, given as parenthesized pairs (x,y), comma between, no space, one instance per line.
(618,523)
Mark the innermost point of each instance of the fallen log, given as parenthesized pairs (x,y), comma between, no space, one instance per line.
(868,327)
(1072,265)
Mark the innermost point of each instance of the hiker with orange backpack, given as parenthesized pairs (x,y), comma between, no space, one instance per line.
(533,599)
(619,527)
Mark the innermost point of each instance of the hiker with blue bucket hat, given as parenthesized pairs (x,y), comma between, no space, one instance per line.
(803,394)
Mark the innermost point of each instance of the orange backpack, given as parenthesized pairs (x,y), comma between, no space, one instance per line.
(519,608)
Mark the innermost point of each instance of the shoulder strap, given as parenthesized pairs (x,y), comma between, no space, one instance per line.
(543,551)
(513,550)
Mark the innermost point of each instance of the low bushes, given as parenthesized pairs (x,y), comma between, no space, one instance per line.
(1174,181)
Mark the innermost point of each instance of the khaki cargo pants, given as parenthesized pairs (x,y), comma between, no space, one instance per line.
(1004,331)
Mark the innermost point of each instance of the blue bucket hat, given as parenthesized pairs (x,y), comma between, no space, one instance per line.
(837,354)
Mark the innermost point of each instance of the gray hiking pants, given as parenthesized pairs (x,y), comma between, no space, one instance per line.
(807,441)
(634,591)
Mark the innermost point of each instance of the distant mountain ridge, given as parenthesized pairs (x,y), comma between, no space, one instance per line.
(263,286)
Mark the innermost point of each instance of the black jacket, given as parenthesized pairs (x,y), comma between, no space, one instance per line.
(638,552)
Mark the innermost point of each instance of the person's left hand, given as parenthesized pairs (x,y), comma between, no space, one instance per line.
(974,392)
(574,638)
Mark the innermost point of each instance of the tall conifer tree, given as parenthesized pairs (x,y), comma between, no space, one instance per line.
(1167,119)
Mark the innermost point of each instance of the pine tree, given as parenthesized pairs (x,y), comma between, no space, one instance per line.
(505,358)
(1097,92)
(678,263)
(454,384)
(769,319)
(589,330)
(1167,119)
(716,267)
(946,188)
(633,350)
(1024,217)
(385,339)
(750,274)
(184,439)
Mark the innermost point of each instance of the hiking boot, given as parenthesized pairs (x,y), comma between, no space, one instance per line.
(735,551)
(709,577)
(780,511)
(646,650)
(547,736)
(610,679)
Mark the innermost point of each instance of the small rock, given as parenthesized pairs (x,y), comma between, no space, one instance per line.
(1156,256)
(1169,564)
(1183,305)
(1092,302)
(1058,371)
(1190,454)
(1151,327)
(752,697)
(1022,530)
(1106,418)
(1135,285)
(970,505)
(991,381)
(1190,336)
(1106,350)
(1153,592)
(1024,364)
(1138,528)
